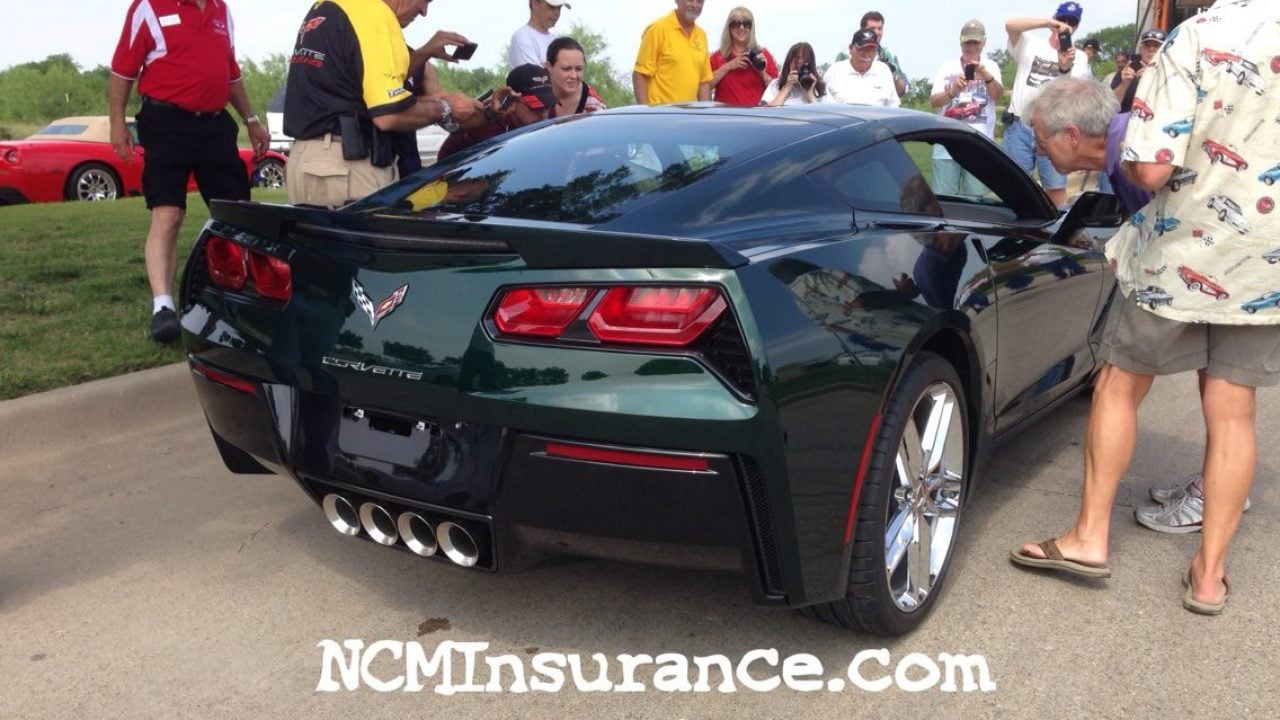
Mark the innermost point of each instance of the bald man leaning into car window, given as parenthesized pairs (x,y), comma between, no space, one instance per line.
(183,58)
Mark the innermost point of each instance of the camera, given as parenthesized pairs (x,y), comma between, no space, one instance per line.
(1064,41)
(757,60)
(1135,64)
(806,76)
(970,71)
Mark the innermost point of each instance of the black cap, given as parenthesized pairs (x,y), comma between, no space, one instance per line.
(1152,35)
(865,37)
(1093,43)
(533,85)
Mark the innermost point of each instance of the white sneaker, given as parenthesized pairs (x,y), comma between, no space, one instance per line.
(1183,515)
(1190,485)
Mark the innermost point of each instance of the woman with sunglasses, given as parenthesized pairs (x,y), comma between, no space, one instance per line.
(803,84)
(741,68)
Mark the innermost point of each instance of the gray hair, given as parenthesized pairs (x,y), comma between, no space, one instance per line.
(1087,104)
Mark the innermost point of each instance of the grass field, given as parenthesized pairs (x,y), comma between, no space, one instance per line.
(74,300)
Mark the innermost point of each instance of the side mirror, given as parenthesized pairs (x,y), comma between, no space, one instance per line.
(1091,210)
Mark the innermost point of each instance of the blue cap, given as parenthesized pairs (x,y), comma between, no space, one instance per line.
(1069,12)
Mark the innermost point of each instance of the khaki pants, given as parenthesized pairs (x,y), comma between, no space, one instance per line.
(316,174)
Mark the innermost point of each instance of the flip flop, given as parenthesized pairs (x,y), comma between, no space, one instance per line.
(1200,607)
(1053,560)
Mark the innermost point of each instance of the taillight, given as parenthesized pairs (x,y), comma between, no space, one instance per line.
(226,263)
(673,316)
(540,312)
(656,315)
(271,275)
(231,265)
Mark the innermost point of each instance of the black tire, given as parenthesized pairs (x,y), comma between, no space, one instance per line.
(875,598)
(1175,186)
(1194,287)
(269,172)
(92,181)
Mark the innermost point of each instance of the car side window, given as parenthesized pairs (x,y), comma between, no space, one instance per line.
(882,178)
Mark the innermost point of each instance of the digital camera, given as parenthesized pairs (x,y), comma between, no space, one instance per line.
(756,58)
(806,76)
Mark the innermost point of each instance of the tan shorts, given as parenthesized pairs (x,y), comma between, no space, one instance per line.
(1142,342)
(316,174)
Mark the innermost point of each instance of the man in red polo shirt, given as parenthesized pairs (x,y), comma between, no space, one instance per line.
(182,55)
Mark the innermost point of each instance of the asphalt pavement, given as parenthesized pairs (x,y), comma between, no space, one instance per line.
(140,579)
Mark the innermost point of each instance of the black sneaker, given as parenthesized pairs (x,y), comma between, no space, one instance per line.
(164,326)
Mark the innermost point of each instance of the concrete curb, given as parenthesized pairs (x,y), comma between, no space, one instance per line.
(156,397)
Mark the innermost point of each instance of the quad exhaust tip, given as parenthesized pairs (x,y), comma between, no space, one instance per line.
(418,534)
(378,524)
(341,514)
(457,544)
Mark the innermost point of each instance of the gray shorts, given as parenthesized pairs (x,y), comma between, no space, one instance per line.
(1142,342)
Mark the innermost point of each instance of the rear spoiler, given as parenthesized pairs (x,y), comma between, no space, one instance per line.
(539,245)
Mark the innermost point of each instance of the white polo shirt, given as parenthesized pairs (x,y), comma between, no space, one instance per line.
(874,87)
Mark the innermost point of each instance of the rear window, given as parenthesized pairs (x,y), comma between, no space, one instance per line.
(64,129)
(588,170)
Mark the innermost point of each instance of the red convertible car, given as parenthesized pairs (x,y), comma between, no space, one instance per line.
(1225,154)
(72,159)
(1200,283)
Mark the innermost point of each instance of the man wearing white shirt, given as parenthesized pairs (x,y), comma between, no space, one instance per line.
(966,88)
(1040,59)
(529,44)
(863,80)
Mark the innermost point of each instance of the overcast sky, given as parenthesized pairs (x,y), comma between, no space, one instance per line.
(923,33)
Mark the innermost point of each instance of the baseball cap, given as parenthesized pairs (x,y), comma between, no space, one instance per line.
(558,3)
(533,85)
(973,30)
(1069,12)
(1152,35)
(865,37)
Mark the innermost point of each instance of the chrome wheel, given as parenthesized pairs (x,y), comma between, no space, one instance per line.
(928,490)
(95,183)
(270,173)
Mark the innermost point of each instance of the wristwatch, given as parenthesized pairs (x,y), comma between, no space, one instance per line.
(446,117)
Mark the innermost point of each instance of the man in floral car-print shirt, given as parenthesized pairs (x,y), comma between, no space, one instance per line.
(1210,113)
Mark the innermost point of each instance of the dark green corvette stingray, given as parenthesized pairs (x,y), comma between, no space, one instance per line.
(754,340)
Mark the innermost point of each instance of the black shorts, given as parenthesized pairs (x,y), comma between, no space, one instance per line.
(179,145)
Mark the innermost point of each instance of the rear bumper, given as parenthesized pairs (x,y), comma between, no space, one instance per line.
(503,485)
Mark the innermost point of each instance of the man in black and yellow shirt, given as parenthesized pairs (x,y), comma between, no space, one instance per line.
(346,84)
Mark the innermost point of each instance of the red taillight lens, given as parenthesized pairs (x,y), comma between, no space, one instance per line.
(225,261)
(271,275)
(540,312)
(230,266)
(656,315)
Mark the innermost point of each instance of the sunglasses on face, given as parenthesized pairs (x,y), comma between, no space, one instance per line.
(740,24)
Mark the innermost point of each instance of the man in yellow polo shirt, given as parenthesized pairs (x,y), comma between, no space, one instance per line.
(673,64)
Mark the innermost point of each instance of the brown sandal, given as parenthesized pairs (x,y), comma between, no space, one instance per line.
(1053,560)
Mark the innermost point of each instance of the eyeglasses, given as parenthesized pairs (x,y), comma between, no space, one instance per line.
(740,24)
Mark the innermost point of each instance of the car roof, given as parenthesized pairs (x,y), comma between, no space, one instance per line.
(835,115)
(97,129)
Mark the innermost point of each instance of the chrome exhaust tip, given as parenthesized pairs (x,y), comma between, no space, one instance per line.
(457,544)
(378,523)
(341,514)
(418,534)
